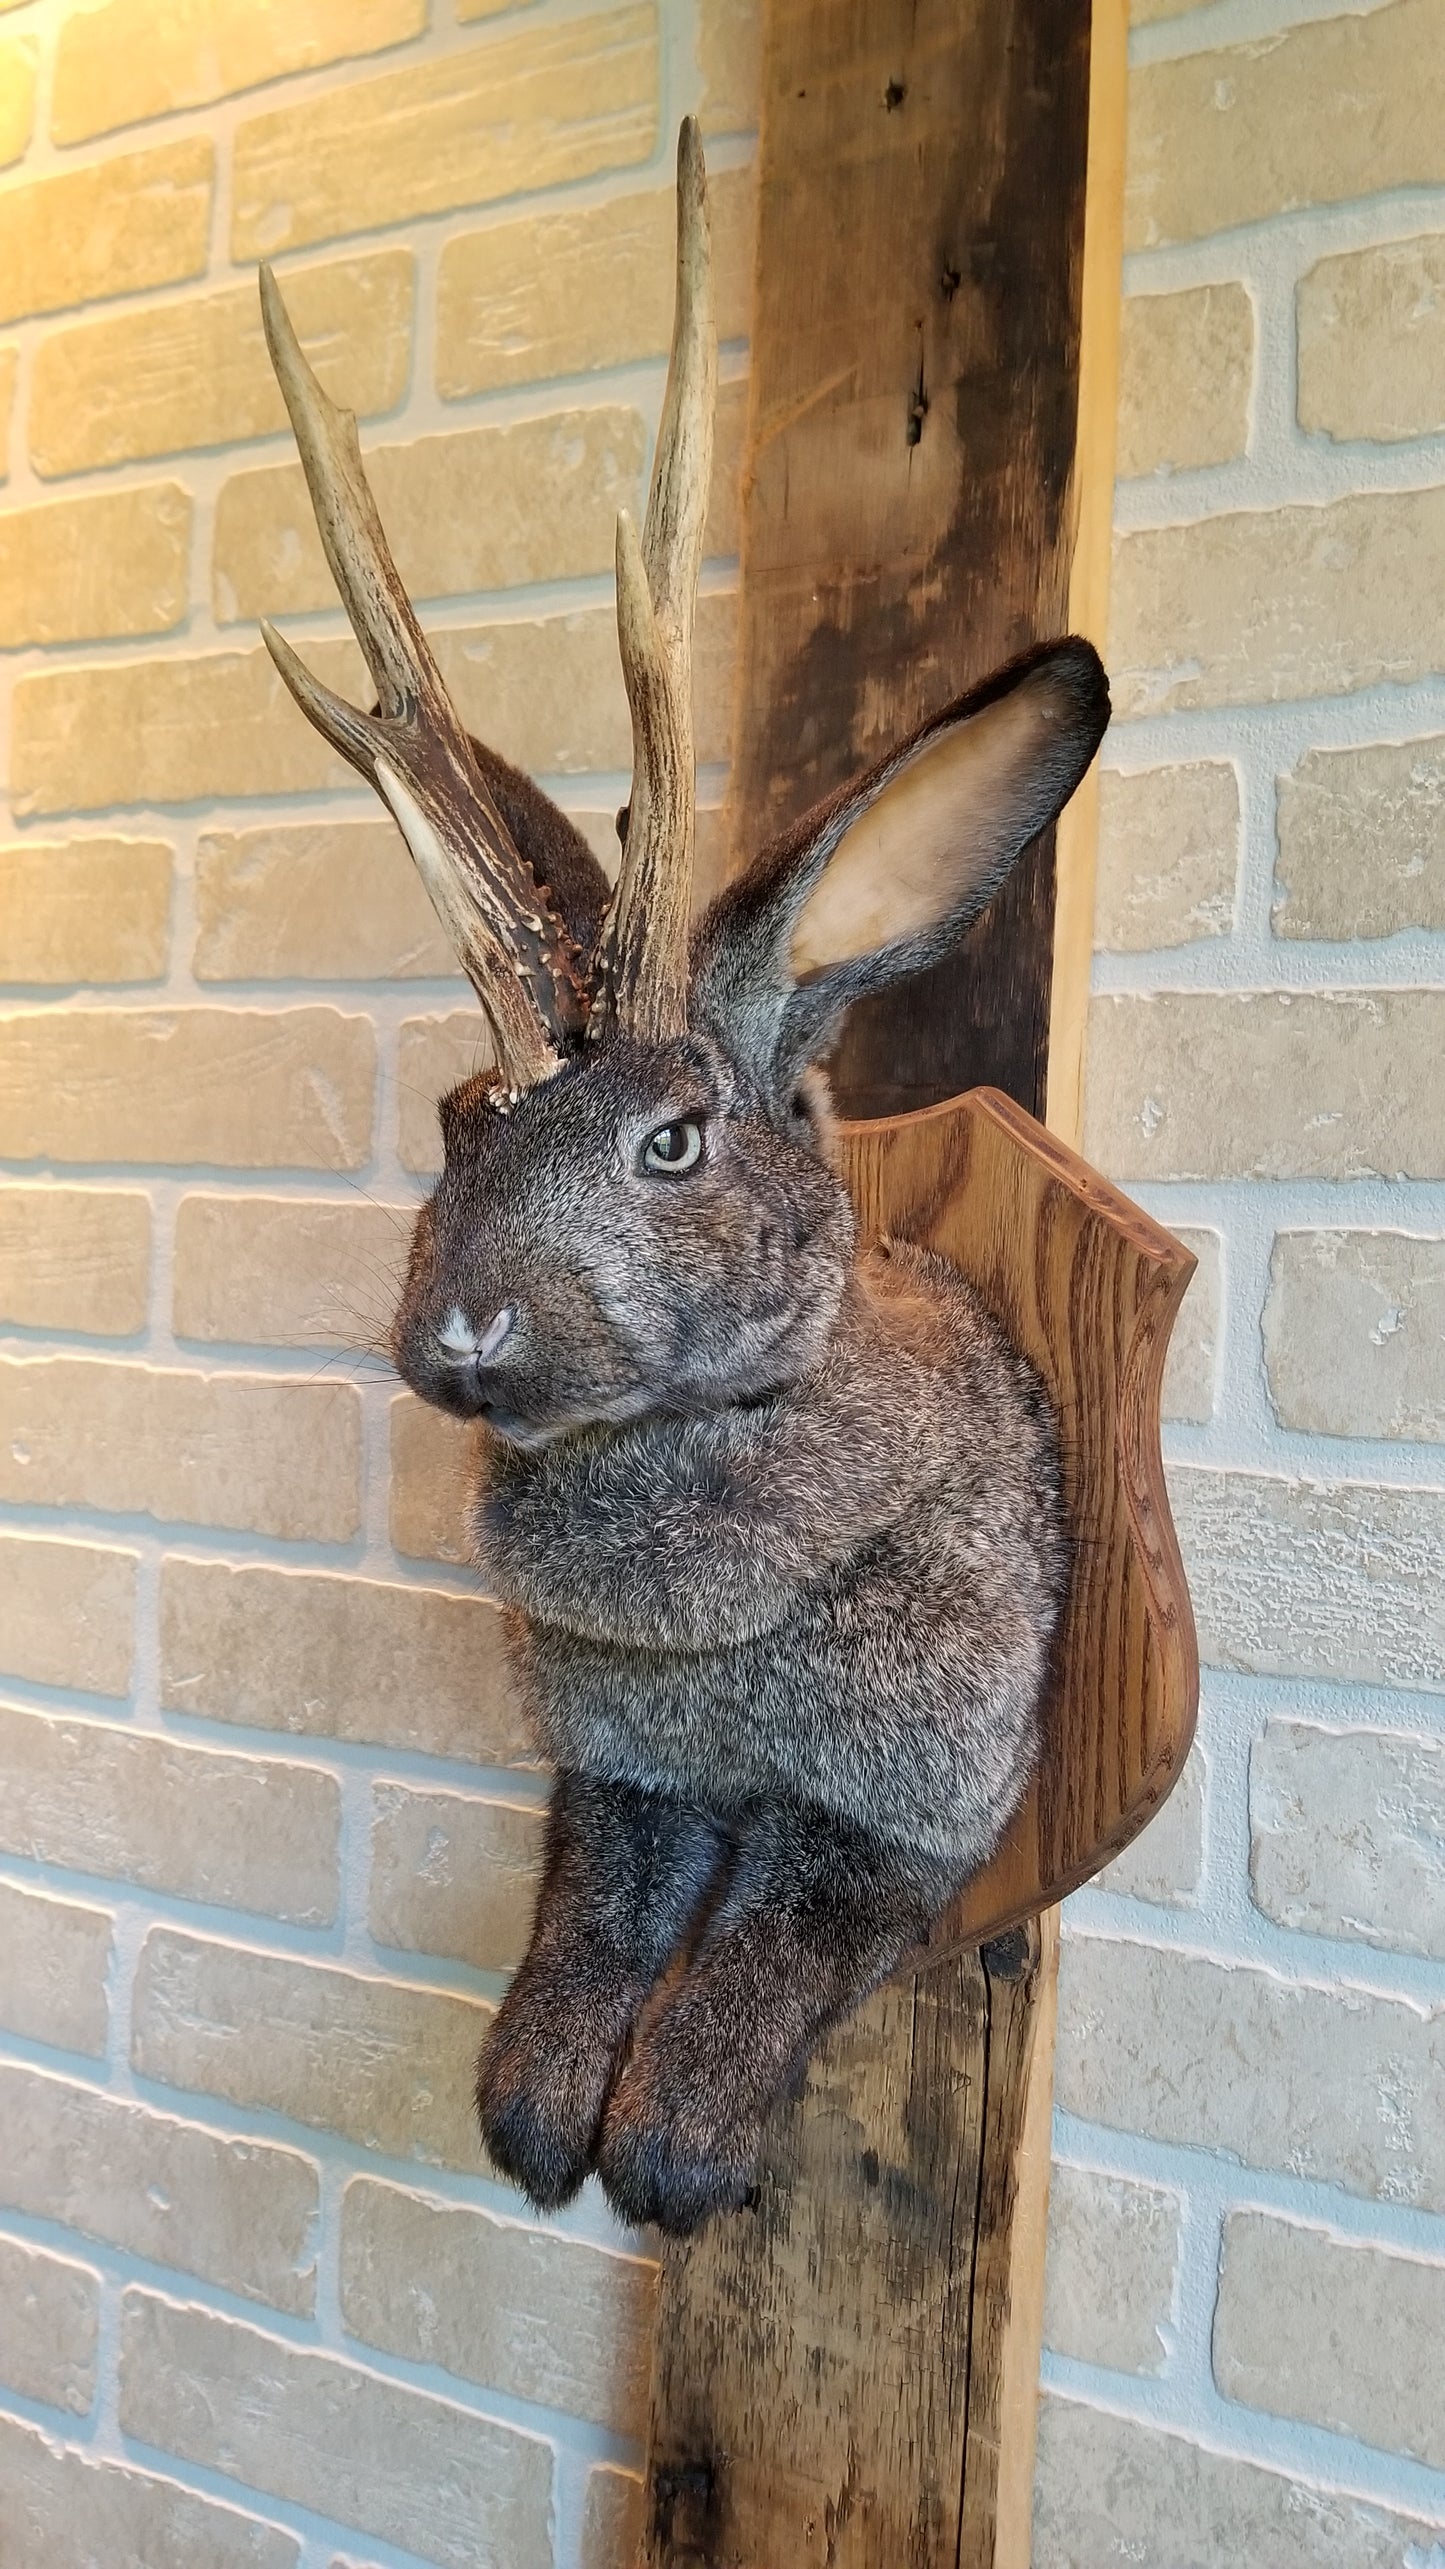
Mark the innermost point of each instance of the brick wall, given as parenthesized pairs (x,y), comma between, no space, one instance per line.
(266,1829)
(265,1835)
(1246,2308)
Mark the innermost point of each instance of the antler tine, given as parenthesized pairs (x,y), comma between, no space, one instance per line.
(512,944)
(644,958)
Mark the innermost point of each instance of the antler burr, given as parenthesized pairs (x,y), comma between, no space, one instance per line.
(414,749)
(644,957)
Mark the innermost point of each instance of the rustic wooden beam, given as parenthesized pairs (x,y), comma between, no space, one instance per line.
(845,2374)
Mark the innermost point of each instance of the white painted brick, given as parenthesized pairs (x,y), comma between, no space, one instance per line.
(544,2319)
(54,1958)
(1354,1333)
(1294,1578)
(237,2213)
(1111,2490)
(276,1271)
(60,2510)
(1348,1833)
(1362,841)
(1112,2250)
(397,2463)
(49,2326)
(1265,1083)
(454,1875)
(66,1613)
(1338,2085)
(1342,2334)
(247,1832)
(530,110)
(279,1457)
(336,1658)
(388,2066)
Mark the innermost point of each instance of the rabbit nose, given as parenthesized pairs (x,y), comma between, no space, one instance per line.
(459,1338)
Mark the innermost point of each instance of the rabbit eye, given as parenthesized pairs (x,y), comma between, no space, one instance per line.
(673,1148)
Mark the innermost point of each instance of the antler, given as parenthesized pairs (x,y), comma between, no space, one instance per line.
(513,945)
(643,964)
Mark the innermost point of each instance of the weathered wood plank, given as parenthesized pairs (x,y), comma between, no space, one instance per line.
(908,518)
(838,2369)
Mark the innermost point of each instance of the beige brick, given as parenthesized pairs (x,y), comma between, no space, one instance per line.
(9,363)
(66,1612)
(279,1272)
(385,2065)
(1343,2335)
(365,1659)
(1314,1579)
(1372,341)
(74,1257)
(517,111)
(49,2325)
(723,531)
(479,508)
(1163,1863)
(564,293)
(1354,1333)
(730,58)
(547,692)
(612,2517)
(434,1054)
(1192,1362)
(171,730)
(1168,856)
(1362,841)
(17,98)
(237,2213)
(273,1457)
(1336,2085)
(120,64)
(432,1461)
(59,2510)
(1305,116)
(1109,2489)
(411,2469)
(1185,366)
(453,1875)
(541,2318)
(1273,604)
(248,1832)
(196,372)
(84,909)
(108,227)
(1113,2248)
(239,1087)
(315,901)
(1269,1083)
(1347,1834)
(114,562)
(54,1956)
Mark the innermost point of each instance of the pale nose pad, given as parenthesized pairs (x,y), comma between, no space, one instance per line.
(459,1338)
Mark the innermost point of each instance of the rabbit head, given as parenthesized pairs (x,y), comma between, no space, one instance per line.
(638,1208)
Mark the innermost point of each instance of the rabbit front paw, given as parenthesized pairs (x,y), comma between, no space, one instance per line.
(673,2161)
(541,2089)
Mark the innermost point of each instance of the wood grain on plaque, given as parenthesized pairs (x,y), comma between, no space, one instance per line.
(1087,1286)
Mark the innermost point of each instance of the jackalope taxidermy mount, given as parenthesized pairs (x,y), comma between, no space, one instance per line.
(777,1516)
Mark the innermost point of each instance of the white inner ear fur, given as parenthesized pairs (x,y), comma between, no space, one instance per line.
(931,834)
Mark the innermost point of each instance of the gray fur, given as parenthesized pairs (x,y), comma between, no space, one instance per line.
(778,1522)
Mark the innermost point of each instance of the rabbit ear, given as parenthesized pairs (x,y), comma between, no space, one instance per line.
(887,875)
